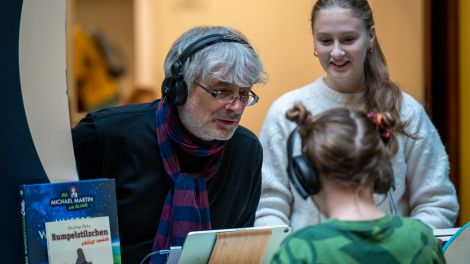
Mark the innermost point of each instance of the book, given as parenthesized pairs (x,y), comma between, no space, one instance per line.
(84,241)
(443,235)
(54,202)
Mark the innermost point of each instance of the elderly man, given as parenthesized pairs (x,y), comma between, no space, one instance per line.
(181,163)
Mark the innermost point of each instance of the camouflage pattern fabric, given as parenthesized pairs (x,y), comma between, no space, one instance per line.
(390,239)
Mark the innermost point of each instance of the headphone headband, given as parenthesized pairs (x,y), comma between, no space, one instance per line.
(174,88)
(199,45)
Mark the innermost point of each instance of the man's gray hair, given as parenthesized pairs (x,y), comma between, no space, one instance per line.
(231,62)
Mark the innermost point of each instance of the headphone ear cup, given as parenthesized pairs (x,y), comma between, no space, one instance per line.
(174,90)
(181,90)
(305,174)
(168,93)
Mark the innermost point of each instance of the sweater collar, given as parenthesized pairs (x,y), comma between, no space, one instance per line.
(337,98)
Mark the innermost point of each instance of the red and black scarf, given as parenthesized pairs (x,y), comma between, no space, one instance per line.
(186,205)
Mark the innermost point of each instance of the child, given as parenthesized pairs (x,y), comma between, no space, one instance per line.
(344,161)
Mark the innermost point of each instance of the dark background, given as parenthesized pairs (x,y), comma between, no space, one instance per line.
(18,158)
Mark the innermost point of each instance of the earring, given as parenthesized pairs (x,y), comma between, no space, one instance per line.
(370,49)
(315,53)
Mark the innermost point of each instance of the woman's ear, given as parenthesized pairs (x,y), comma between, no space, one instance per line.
(371,36)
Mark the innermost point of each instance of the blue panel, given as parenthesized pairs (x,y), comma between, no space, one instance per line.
(19,162)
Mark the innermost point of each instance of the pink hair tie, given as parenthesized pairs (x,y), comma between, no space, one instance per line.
(382,127)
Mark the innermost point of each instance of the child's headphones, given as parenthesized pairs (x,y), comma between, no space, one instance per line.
(174,88)
(300,171)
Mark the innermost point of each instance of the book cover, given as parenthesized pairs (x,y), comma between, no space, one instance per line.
(444,234)
(83,241)
(52,202)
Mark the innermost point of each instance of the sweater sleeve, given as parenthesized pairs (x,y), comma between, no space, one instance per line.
(432,196)
(276,197)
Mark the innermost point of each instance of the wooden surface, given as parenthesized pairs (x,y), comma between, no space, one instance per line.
(240,247)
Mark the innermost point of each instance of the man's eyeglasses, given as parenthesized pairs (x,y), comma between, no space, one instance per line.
(246,98)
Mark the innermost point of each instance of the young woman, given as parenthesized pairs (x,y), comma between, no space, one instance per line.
(346,160)
(357,77)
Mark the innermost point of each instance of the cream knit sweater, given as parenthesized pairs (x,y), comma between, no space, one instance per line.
(421,167)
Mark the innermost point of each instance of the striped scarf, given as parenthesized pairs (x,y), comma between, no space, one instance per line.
(186,205)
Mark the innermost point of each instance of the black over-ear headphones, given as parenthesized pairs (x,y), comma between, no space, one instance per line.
(174,88)
(300,171)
